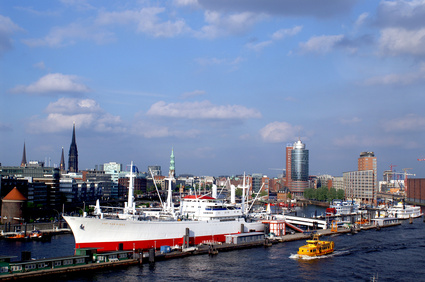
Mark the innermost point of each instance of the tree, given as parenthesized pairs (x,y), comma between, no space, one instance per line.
(340,194)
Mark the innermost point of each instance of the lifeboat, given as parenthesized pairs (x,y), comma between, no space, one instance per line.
(316,247)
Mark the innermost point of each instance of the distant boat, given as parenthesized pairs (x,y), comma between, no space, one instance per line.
(403,211)
(316,247)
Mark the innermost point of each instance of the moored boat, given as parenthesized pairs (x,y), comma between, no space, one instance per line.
(316,247)
(403,211)
(199,219)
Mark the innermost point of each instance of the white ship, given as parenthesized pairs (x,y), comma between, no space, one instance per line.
(403,211)
(199,219)
(339,207)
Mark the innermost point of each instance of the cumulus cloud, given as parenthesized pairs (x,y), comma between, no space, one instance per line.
(321,44)
(401,13)
(86,113)
(201,110)
(277,132)
(147,21)
(219,25)
(258,46)
(7,28)
(285,32)
(278,35)
(53,83)
(396,41)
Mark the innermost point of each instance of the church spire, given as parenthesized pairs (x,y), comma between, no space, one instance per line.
(172,172)
(62,163)
(24,158)
(73,154)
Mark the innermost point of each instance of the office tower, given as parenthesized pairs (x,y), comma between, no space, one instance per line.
(299,169)
(362,184)
(73,154)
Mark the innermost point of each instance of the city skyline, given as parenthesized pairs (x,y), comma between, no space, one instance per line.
(227,84)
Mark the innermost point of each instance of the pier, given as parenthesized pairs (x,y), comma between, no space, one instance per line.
(84,260)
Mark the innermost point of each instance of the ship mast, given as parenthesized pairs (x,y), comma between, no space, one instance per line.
(130,202)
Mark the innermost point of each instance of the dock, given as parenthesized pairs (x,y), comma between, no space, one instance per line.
(140,257)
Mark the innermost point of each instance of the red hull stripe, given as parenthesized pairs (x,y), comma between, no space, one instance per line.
(147,244)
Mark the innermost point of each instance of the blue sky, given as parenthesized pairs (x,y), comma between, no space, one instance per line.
(226,83)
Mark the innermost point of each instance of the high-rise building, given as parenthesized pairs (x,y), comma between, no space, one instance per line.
(299,169)
(155,169)
(363,183)
(288,164)
(73,154)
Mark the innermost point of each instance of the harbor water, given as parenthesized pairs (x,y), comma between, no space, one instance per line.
(390,254)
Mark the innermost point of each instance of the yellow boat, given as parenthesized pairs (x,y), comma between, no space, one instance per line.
(316,247)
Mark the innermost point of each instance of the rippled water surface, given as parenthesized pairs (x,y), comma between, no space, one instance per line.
(391,254)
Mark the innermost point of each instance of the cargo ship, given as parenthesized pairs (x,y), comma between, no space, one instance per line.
(198,219)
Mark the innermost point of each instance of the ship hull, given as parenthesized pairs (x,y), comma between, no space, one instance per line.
(112,234)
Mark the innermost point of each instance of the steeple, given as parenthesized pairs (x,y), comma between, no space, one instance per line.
(62,163)
(24,158)
(172,165)
(73,154)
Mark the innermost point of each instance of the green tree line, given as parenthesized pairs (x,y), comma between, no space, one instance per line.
(324,194)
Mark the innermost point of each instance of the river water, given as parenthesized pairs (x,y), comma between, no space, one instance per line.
(391,254)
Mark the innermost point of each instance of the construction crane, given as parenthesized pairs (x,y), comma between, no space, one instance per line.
(405,176)
(421,160)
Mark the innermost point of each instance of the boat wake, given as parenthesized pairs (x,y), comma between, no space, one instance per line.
(302,257)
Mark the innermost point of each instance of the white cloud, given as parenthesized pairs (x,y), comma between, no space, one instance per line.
(147,21)
(53,83)
(201,110)
(321,44)
(86,113)
(361,19)
(219,25)
(283,33)
(278,35)
(67,35)
(277,132)
(258,46)
(410,122)
(190,3)
(399,79)
(398,41)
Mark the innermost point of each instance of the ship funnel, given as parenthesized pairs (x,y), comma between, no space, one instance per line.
(214,191)
(232,194)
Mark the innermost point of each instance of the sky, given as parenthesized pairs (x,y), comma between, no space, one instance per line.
(227,84)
